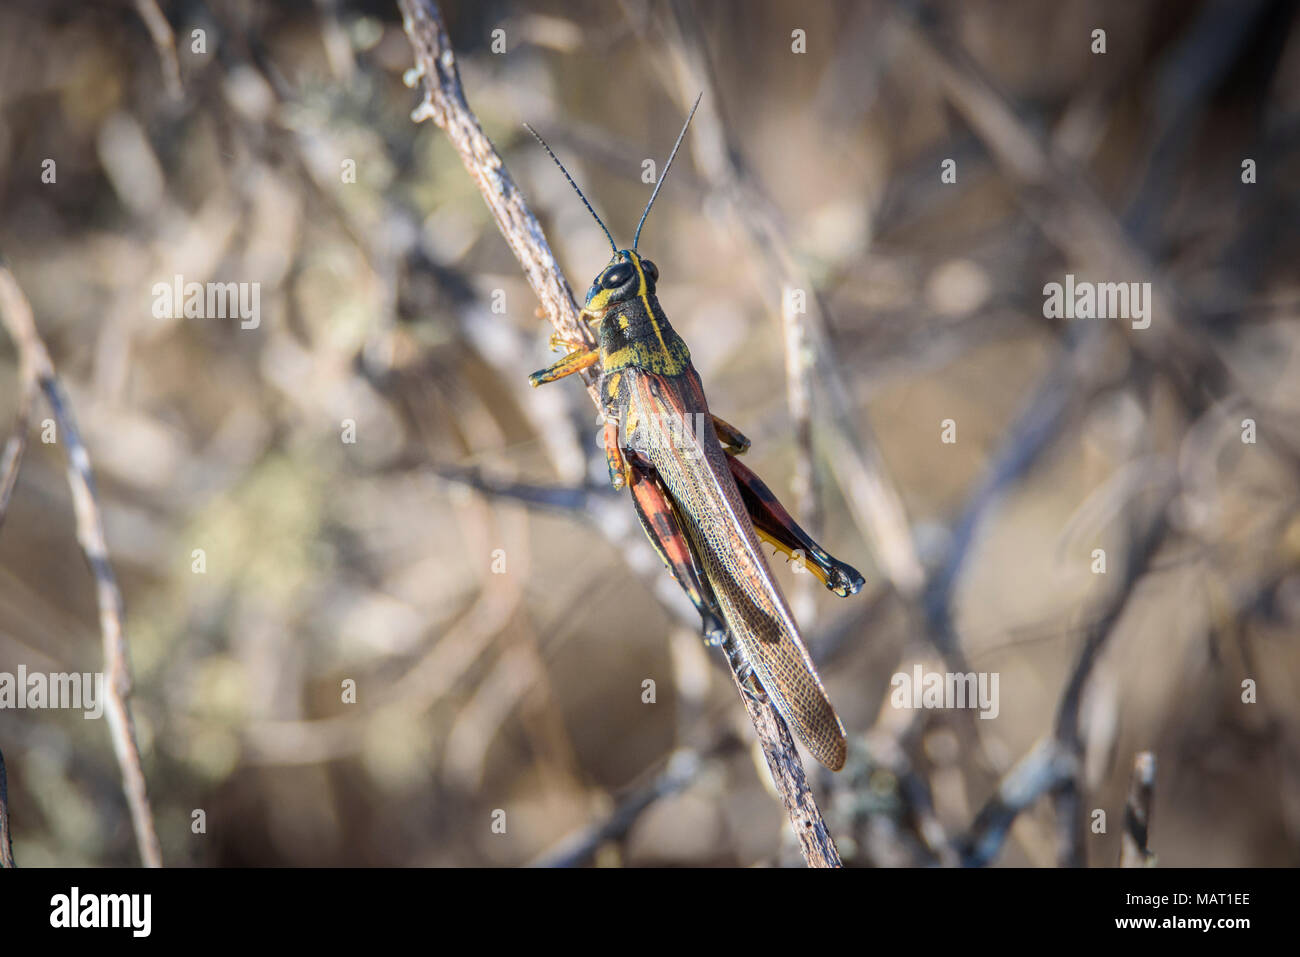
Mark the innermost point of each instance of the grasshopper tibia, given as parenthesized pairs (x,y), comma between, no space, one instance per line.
(775,526)
(571,363)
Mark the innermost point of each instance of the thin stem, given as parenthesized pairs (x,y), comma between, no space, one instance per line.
(444,102)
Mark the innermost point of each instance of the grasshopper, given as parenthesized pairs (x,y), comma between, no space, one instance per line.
(703,511)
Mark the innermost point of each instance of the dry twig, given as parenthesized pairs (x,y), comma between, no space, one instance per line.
(1133,851)
(1054,764)
(444,102)
(164,41)
(579,848)
(16,314)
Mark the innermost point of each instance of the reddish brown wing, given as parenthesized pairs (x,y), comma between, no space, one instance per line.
(666,418)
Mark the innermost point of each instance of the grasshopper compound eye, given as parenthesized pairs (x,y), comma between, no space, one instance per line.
(651,270)
(616,276)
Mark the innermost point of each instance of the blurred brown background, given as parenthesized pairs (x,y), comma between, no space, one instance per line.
(377,560)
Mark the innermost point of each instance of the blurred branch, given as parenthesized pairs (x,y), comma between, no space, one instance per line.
(16,314)
(852,453)
(566,498)
(1053,765)
(799,397)
(12,459)
(1046,767)
(444,102)
(338,47)
(1073,217)
(164,40)
(578,849)
(1067,734)
(1133,850)
(886,747)
(426,681)
(6,841)
(1039,425)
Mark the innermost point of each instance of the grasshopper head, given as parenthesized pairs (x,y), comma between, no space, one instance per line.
(625,277)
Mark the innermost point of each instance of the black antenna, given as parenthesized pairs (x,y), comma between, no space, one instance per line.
(612,245)
(664,175)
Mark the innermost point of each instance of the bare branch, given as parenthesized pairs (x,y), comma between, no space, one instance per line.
(1038,427)
(787,774)
(1073,217)
(1133,850)
(444,102)
(577,849)
(164,40)
(16,314)
(1045,768)
(1053,765)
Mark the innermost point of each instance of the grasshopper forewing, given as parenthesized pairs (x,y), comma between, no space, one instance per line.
(662,441)
(672,428)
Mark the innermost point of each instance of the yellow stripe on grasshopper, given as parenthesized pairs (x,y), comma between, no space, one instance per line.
(644,295)
(648,356)
(803,560)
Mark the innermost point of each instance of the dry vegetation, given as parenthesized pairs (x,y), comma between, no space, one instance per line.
(393,303)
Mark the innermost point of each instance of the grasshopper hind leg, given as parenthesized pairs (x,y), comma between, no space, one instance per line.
(775,526)
(659,518)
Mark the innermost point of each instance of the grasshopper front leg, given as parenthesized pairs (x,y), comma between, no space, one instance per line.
(576,361)
(776,527)
(580,355)
(662,526)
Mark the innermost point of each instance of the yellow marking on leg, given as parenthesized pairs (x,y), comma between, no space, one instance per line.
(808,564)
(573,362)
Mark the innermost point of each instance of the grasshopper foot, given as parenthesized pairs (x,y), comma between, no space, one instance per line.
(844,580)
(715,631)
